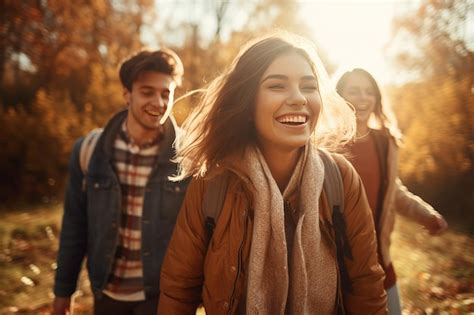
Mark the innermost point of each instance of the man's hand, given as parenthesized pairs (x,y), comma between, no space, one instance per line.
(436,225)
(62,305)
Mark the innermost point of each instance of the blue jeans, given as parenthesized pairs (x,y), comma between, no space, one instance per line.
(393,300)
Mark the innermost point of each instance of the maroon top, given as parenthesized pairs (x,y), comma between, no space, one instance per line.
(364,157)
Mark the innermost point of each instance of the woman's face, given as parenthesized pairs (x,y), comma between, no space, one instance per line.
(360,92)
(288,103)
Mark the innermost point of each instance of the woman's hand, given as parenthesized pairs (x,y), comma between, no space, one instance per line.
(436,225)
(62,306)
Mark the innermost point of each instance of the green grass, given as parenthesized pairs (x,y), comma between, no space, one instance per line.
(435,274)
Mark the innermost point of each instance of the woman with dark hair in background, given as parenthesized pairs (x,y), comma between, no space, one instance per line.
(374,155)
(262,124)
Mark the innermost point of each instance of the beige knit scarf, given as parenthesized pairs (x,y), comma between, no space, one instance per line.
(310,286)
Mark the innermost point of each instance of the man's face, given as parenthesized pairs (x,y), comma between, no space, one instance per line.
(148,100)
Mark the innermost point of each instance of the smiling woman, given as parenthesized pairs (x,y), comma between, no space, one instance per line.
(287,108)
(254,140)
(288,103)
(374,154)
(227,110)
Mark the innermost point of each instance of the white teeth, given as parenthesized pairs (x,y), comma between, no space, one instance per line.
(153,113)
(292,119)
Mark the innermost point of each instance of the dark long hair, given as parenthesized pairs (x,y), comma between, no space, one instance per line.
(221,126)
(382,114)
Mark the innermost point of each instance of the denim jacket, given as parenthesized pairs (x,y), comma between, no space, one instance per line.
(92,216)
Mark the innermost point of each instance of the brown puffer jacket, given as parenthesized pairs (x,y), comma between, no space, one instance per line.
(215,275)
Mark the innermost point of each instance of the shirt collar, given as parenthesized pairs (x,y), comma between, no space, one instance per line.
(125,136)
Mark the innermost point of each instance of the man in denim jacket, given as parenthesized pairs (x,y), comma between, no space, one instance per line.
(120,213)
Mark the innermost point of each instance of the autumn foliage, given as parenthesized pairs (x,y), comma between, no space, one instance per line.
(436,109)
(58,77)
(58,80)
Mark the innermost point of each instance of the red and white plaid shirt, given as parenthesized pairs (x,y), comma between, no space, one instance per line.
(133,166)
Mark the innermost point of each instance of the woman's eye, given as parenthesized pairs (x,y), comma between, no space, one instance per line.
(276,86)
(310,88)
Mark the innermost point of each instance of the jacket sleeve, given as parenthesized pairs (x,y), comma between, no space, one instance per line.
(182,273)
(366,275)
(410,205)
(73,237)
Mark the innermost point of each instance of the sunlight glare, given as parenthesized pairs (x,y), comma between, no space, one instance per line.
(353,33)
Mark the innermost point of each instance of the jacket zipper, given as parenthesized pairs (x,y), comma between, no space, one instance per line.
(239,266)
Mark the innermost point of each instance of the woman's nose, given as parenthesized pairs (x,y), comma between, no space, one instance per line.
(296,98)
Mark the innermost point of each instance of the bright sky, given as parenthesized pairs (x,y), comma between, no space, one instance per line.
(354,33)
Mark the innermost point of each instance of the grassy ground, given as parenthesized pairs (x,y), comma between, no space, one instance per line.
(435,274)
(28,245)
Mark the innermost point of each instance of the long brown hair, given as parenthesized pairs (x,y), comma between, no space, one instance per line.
(382,115)
(221,126)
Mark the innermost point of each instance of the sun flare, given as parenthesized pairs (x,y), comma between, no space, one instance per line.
(352,33)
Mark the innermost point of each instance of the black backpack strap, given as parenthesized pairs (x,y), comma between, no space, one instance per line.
(334,189)
(214,200)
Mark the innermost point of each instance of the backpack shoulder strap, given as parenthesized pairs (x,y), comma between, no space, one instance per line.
(334,189)
(333,185)
(85,153)
(214,200)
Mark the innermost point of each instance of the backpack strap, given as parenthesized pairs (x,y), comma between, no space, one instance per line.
(334,189)
(214,200)
(333,186)
(87,148)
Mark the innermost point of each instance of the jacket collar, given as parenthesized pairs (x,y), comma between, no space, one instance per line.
(114,125)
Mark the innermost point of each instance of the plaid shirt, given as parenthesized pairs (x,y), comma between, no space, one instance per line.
(133,166)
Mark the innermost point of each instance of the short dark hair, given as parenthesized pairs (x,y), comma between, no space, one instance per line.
(163,60)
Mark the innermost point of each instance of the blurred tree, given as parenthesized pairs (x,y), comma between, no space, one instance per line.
(58,80)
(58,70)
(436,111)
(436,38)
(206,54)
(54,44)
